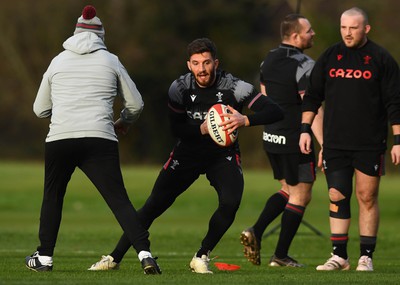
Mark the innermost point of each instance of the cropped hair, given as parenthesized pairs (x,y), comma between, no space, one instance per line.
(202,45)
(290,25)
(357,11)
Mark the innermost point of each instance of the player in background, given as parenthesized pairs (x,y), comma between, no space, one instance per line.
(359,82)
(283,77)
(77,93)
(195,153)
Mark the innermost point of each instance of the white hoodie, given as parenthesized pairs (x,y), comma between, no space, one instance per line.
(78,91)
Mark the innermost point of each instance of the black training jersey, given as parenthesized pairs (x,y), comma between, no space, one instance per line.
(284,73)
(361,90)
(189,104)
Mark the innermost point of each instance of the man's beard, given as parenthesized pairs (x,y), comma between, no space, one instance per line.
(205,81)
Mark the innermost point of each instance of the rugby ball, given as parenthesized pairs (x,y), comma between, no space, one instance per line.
(213,119)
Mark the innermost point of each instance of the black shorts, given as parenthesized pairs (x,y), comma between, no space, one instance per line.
(371,163)
(293,167)
(223,171)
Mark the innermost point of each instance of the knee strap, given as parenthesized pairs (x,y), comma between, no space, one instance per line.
(341,180)
(340,209)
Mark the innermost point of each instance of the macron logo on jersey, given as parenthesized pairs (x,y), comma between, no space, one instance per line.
(271,138)
(193,97)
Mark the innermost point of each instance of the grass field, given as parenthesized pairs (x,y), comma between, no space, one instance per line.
(89,230)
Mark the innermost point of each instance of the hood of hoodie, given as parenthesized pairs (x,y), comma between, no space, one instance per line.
(84,42)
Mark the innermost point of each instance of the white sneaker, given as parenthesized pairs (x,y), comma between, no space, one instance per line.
(335,263)
(105,263)
(365,264)
(200,265)
(38,262)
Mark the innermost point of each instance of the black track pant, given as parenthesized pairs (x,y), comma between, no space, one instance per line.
(99,160)
(225,175)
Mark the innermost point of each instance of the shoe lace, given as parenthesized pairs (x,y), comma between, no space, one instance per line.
(365,260)
(335,261)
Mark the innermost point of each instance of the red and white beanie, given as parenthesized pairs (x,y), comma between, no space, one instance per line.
(89,22)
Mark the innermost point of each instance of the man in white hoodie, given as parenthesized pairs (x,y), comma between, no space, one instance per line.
(77,93)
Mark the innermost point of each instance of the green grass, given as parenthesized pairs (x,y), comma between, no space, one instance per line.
(89,230)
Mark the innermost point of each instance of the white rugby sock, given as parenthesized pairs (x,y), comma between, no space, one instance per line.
(46,260)
(144,254)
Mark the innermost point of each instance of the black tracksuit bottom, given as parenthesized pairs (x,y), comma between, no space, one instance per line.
(99,160)
(180,171)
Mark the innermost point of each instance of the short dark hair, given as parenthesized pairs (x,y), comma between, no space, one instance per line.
(290,25)
(202,45)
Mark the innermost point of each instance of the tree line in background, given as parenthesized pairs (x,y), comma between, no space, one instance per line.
(150,38)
